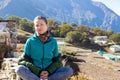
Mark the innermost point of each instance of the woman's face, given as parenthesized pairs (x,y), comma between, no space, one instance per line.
(40,26)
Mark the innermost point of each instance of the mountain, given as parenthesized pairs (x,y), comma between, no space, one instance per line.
(85,12)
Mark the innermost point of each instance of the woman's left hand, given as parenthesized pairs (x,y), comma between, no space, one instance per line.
(44,75)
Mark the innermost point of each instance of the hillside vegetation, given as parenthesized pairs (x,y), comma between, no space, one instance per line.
(22,32)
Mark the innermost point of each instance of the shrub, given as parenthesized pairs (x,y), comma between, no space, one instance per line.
(2,50)
(74,37)
(21,38)
(115,37)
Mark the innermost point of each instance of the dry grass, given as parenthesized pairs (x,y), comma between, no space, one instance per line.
(68,49)
(21,32)
(79,77)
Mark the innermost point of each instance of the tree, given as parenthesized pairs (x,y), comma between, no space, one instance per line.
(16,18)
(52,23)
(26,25)
(110,32)
(99,31)
(83,28)
(55,33)
(74,25)
(54,27)
(23,22)
(115,37)
(74,37)
(64,29)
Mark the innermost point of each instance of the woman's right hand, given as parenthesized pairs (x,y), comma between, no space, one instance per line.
(44,75)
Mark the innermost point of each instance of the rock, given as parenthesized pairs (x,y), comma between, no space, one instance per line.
(8,69)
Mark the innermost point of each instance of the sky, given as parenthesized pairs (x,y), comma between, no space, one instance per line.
(112,4)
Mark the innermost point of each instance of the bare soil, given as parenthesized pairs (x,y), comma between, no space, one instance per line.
(96,66)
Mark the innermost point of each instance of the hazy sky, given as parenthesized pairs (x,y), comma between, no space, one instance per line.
(112,4)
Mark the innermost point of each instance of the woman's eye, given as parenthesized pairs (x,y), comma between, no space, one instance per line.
(37,25)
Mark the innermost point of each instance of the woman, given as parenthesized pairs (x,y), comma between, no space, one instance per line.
(40,60)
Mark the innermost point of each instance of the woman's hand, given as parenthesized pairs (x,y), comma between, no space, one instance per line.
(44,75)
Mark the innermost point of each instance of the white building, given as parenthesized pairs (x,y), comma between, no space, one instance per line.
(100,39)
(115,48)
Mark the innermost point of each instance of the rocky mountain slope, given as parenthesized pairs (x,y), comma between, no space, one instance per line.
(85,12)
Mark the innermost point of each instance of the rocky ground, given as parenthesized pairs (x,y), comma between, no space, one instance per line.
(95,66)
(98,68)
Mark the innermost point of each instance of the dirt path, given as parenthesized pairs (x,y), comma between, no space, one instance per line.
(97,67)
(97,73)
